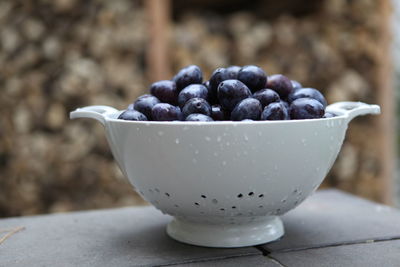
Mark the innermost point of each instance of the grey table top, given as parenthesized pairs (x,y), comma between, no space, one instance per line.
(330,228)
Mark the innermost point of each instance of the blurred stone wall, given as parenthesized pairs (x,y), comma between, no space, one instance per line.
(396,63)
(62,54)
(57,56)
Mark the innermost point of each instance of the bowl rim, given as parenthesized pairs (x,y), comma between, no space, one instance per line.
(227,122)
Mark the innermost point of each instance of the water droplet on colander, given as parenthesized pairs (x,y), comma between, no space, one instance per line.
(219,174)
(208,139)
(246,138)
(177,140)
(332,138)
(304,141)
(160,133)
(228,144)
(194,160)
(317,169)
(196,152)
(215,154)
(276,167)
(245,153)
(316,133)
(259,133)
(185,128)
(284,200)
(219,139)
(223,163)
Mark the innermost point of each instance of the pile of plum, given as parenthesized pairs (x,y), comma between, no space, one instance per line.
(233,93)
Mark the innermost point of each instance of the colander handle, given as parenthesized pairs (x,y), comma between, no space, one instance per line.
(353,109)
(93,112)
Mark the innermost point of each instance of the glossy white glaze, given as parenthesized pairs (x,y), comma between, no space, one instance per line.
(229,180)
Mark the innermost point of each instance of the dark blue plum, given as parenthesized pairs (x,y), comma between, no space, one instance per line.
(145,104)
(286,104)
(132,115)
(306,108)
(218,76)
(296,85)
(192,91)
(231,92)
(232,72)
(211,95)
(275,111)
(166,112)
(196,105)
(165,91)
(266,96)
(189,75)
(249,108)
(198,117)
(280,84)
(253,77)
(218,114)
(307,92)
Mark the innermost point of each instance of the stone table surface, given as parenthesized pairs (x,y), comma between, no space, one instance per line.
(330,228)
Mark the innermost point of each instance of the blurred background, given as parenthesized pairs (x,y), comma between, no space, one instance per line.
(57,55)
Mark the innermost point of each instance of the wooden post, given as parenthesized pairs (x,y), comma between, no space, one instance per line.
(386,99)
(157,57)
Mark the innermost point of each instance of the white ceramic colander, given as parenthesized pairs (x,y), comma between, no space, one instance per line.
(226,182)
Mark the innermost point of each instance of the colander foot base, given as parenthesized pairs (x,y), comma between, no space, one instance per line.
(226,235)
